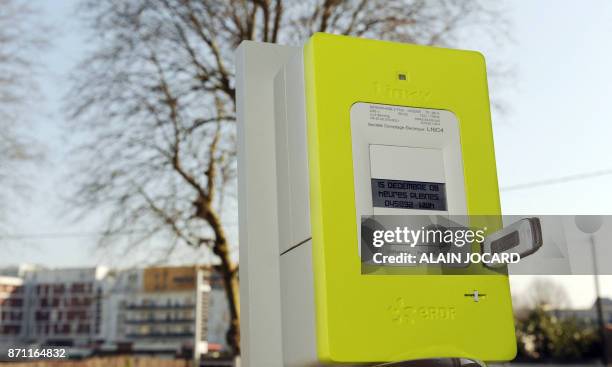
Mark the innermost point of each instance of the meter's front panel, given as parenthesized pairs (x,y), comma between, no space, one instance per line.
(381,145)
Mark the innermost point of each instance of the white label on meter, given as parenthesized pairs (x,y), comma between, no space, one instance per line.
(406,160)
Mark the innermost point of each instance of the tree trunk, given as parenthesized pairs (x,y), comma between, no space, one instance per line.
(229,272)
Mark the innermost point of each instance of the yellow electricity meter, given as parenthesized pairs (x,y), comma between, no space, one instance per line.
(352,115)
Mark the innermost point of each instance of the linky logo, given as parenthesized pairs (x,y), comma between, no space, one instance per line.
(387,90)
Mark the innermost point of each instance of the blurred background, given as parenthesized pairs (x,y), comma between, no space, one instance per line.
(118,212)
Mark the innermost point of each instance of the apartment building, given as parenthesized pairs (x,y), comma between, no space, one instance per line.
(64,306)
(177,310)
(12,309)
(167,313)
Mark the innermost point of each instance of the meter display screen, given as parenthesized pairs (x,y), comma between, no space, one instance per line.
(398,194)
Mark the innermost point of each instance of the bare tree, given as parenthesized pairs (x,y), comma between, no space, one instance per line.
(154,102)
(547,294)
(18,41)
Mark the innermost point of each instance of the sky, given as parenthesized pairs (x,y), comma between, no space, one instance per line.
(45,217)
(556,126)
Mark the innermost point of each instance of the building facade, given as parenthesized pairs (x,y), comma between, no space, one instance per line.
(165,314)
(12,309)
(65,306)
(156,310)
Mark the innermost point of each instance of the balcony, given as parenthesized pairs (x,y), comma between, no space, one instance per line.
(159,335)
(159,307)
(11,322)
(160,321)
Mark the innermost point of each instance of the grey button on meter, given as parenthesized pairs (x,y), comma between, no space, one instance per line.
(477,296)
(523,237)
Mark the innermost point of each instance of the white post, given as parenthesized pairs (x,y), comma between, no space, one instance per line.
(256,66)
